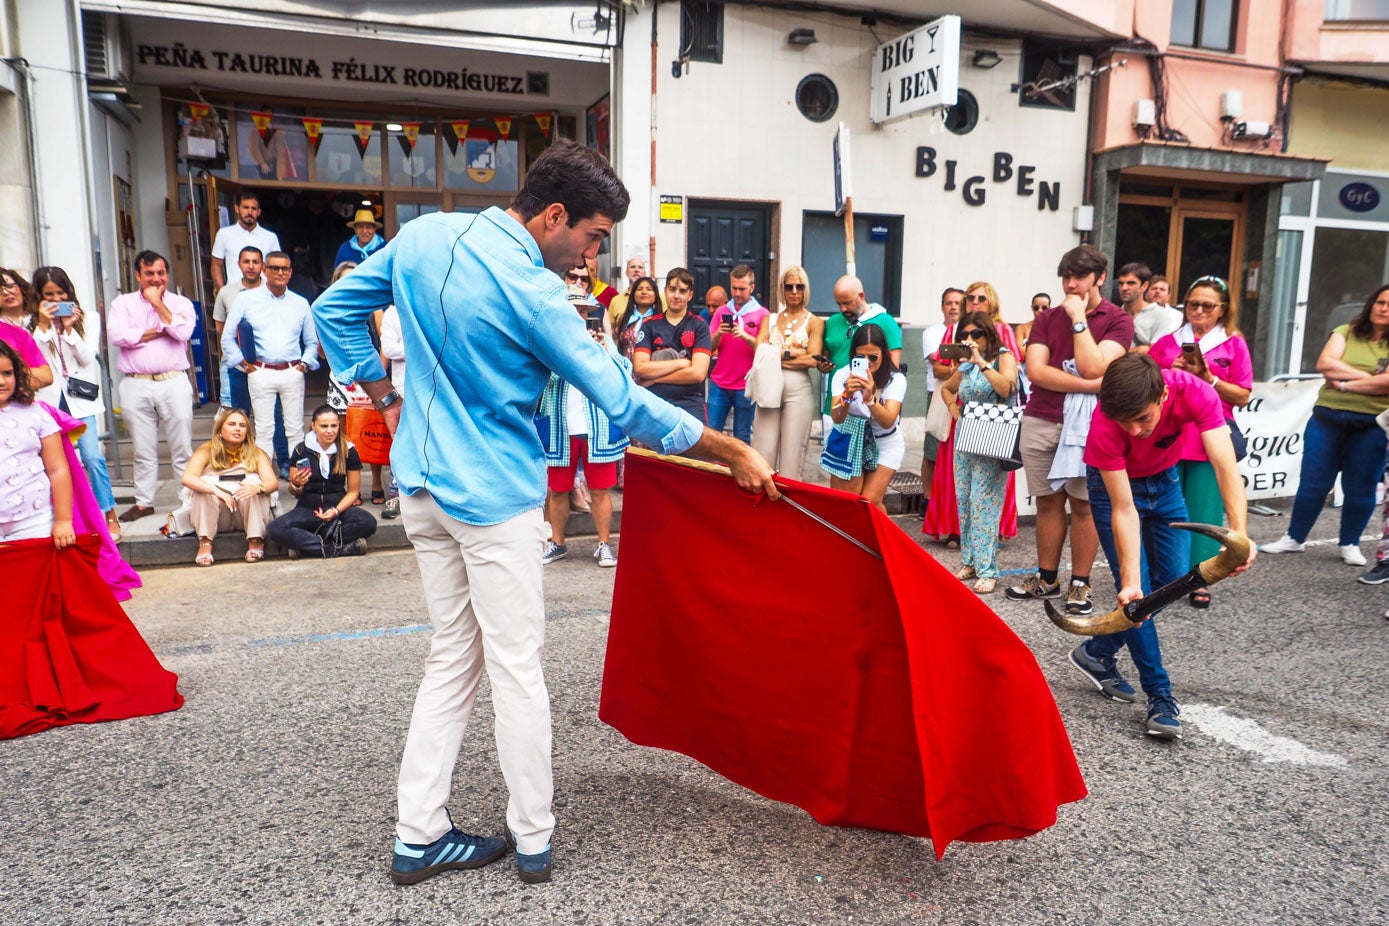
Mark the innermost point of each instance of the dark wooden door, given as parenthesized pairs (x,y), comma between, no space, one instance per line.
(724,235)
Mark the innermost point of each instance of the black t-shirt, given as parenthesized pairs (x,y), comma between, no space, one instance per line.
(690,337)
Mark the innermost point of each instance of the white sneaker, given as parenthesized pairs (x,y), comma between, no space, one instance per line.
(1351,555)
(1284,544)
(605,556)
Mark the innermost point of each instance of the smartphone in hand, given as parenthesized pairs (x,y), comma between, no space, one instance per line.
(955,352)
(858,366)
(64,309)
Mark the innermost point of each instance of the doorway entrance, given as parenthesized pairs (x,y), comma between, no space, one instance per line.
(1183,232)
(724,234)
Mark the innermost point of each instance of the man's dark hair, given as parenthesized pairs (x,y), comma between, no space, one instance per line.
(250,247)
(149,259)
(247,194)
(578,178)
(945,293)
(740,271)
(680,274)
(1083,260)
(1139,270)
(1130,385)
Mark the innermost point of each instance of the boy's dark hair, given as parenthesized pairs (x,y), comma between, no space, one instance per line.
(680,274)
(23,384)
(149,259)
(873,336)
(1130,385)
(1139,270)
(576,177)
(1082,260)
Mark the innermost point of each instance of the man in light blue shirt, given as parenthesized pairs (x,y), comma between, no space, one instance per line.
(281,324)
(484,318)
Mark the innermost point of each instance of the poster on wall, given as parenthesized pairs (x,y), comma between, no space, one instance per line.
(1272,423)
(597,125)
(272,143)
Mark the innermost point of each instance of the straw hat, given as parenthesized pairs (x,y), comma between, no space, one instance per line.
(364,216)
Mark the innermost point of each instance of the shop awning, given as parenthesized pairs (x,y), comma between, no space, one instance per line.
(1156,159)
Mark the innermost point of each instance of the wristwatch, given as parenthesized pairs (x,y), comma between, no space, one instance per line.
(786,355)
(1078,327)
(386,401)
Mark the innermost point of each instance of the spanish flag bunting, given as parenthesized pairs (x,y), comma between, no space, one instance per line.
(409,135)
(504,126)
(199,111)
(262,123)
(543,120)
(314,129)
(459,133)
(363,137)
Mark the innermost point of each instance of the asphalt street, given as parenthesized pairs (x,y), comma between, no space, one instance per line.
(269,798)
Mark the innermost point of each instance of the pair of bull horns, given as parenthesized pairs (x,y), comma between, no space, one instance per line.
(1207,573)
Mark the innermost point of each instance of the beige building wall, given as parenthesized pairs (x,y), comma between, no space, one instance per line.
(1330,118)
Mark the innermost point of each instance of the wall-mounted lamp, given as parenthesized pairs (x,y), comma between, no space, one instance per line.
(801,37)
(987,58)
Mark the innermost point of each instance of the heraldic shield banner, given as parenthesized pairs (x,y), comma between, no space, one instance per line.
(867,686)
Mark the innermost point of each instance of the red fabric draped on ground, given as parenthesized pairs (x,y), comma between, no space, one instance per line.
(873,693)
(68,652)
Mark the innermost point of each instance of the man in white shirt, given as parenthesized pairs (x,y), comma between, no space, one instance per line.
(931,340)
(1150,320)
(245,231)
(285,346)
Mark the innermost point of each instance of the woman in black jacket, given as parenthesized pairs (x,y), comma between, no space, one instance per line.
(326,479)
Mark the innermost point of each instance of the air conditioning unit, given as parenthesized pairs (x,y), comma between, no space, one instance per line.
(1144,113)
(106,44)
(1251,129)
(1231,105)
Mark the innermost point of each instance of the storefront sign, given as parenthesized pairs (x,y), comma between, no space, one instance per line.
(920,70)
(181,57)
(1359,197)
(972,188)
(1272,423)
(672,210)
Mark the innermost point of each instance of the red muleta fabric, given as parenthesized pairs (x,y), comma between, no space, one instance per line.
(68,652)
(872,693)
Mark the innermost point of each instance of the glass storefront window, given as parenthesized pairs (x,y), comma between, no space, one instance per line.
(1347,265)
(1297,199)
(481,164)
(340,161)
(418,170)
(271,144)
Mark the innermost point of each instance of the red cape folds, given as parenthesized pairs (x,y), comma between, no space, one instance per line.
(68,652)
(873,693)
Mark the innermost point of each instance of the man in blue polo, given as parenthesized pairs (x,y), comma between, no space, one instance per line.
(485,318)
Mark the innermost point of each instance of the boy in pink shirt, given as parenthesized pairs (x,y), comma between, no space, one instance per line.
(1131,455)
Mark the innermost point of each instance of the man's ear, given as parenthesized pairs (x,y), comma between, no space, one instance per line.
(555,216)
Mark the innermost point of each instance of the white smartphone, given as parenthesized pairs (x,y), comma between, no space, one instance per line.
(858,366)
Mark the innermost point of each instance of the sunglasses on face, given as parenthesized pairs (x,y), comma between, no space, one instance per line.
(793,287)
(576,277)
(978,297)
(1202,306)
(1038,307)
(974,333)
(871,358)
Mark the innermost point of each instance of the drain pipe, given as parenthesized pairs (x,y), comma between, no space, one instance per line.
(39,217)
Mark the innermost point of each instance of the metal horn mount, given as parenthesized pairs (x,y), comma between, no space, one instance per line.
(1207,573)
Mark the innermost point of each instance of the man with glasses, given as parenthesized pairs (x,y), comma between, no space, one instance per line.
(282,346)
(855,311)
(152,327)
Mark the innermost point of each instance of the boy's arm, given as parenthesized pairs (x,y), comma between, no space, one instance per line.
(1220,450)
(1127,539)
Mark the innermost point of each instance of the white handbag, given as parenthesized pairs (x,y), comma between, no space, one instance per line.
(765,378)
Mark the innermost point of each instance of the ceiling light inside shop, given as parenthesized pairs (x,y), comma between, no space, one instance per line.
(394,127)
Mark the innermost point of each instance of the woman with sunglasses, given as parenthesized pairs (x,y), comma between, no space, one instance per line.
(1210,346)
(942,517)
(1342,435)
(781,434)
(990,375)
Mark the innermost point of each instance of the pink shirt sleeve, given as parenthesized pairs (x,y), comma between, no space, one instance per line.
(1106,444)
(1165,350)
(24,344)
(125,330)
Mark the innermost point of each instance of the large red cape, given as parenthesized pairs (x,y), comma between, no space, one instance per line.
(872,693)
(68,652)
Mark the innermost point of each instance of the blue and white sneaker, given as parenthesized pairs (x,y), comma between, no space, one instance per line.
(1162,717)
(454,849)
(553,551)
(1106,678)
(532,869)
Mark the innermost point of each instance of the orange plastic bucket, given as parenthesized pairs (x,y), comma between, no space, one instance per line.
(368,432)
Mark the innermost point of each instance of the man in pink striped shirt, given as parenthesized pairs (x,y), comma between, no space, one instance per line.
(152,327)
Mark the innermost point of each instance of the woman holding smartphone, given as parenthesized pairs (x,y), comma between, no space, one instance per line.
(866,446)
(72,341)
(325,478)
(1207,345)
(231,481)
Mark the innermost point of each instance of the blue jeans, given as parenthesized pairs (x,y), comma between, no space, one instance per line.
(1163,557)
(94,461)
(1349,443)
(241,398)
(720,401)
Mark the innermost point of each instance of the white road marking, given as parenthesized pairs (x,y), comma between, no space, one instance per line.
(1245,734)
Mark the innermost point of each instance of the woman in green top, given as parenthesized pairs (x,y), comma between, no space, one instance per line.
(1342,435)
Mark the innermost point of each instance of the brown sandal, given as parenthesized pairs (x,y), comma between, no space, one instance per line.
(257,553)
(204,557)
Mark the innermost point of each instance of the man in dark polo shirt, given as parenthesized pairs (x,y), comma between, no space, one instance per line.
(672,353)
(1091,332)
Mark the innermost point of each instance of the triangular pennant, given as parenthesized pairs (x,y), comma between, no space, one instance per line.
(459,133)
(409,135)
(504,126)
(543,120)
(363,137)
(199,111)
(262,123)
(314,129)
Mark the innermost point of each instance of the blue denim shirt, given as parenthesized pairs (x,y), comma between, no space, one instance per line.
(484,323)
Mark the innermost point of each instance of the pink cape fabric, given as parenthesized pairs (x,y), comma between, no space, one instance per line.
(875,693)
(87,516)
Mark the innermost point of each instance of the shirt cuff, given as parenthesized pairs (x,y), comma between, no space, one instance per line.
(685,435)
(365,371)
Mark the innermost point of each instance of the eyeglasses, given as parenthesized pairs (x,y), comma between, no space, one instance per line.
(1202,306)
(1039,307)
(871,358)
(576,277)
(277,268)
(9,286)
(793,287)
(975,333)
(978,297)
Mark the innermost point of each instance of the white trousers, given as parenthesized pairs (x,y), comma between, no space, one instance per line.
(264,386)
(149,406)
(482,586)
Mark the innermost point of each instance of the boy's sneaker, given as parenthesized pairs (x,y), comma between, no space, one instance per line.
(1106,678)
(553,551)
(1351,555)
(392,509)
(1378,575)
(1078,601)
(1162,718)
(532,869)
(1034,589)
(605,556)
(1284,544)
(454,849)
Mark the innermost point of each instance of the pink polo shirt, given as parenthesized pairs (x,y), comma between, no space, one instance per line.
(131,316)
(23,343)
(1190,401)
(735,354)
